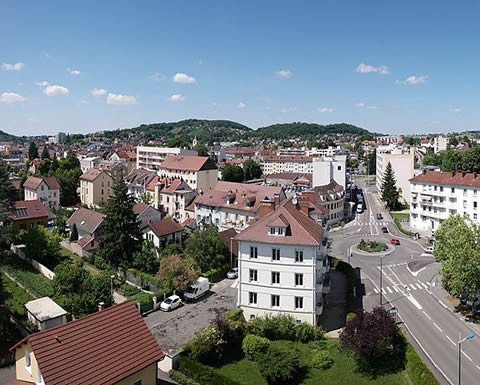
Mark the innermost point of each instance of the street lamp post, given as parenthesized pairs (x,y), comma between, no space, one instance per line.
(381,275)
(460,341)
(111,286)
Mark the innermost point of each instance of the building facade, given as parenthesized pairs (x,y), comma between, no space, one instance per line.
(440,143)
(46,189)
(281,164)
(326,169)
(151,158)
(96,185)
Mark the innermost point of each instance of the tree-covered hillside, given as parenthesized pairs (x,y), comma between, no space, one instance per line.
(304,130)
(6,137)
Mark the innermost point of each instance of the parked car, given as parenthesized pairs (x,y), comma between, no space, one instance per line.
(359,208)
(395,241)
(385,229)
(171,303)
(232,273)
(379,216)
(429,249)
(197,289)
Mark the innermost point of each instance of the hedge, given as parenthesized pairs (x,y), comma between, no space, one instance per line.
(351,280)
(181,378)
(417,370)
(128,290)
(203,374)
(216,275)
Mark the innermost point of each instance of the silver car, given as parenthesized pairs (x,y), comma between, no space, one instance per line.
(232,273)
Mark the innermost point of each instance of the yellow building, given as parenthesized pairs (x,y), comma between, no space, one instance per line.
(111,346)
(96,185)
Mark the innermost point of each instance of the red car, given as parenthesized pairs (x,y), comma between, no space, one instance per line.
(395,241)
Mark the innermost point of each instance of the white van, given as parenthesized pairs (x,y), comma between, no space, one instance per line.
(197,289)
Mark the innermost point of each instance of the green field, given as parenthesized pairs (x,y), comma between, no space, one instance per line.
(341,373)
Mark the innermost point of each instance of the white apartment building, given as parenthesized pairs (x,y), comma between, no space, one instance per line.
(45,189)
(403,163)
(282,265)
(436,195)
(280,164)
(89,162)
(440,143)
(151,158)
(330,151)
(326,169)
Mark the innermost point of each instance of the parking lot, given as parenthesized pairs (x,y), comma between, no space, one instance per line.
(174,329)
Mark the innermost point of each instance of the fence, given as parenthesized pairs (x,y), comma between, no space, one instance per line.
(18,250)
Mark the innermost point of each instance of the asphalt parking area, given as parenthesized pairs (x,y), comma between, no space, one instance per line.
(174,329)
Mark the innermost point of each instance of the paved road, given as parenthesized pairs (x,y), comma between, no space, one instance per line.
(409,276)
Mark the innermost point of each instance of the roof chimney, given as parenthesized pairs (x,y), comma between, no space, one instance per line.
(276,200)
(266,206)
(101,305)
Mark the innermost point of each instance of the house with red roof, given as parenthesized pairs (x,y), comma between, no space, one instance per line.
(26,214)
(282,262)
(173,197)
(46,189)
(163,232)
(111,346)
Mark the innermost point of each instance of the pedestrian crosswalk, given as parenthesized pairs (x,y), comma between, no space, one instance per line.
(413,286)
(360,223)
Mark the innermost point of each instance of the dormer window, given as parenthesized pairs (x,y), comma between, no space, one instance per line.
(277,231)
(272,230)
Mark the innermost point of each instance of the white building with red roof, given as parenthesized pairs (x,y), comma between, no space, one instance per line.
(282,262)
(46,189)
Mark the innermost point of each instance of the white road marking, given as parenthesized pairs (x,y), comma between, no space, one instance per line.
(413,286)
(383,291)
(478,367)
(395,288)
(376,291)
(454,344)
(466,355)
(418,285)
(425,286)
(426,315)
(441,303)
(389,290)
(438,327)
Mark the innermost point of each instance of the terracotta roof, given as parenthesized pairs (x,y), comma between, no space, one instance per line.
(139,208)
(34,182)
(164,227)
(101,348)
(84,241)
(28,210)
(290,175)
(92,173)
(86,220)
(176,186)
(448,178)
(186,162)
(152,183)
(126,154)
(301,229)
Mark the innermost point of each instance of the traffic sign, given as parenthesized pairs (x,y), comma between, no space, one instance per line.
(394,313)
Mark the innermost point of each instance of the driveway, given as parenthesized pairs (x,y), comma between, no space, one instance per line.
(174,329)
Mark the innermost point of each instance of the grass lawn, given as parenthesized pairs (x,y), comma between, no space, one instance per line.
(400,216)
(14,297)
(341,373)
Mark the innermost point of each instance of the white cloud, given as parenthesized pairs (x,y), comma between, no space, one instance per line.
(157,76)
(11,97)
(241,105)
(373,108)
(13,67)
(98,91)
(412,80)
(285,110)
(363,105)
(360,105)
(177,98)
(42,84)
(366,68)
(284,74)
(456,110)
(120,99)
(183,78)
(324,109)
(74,72)
(56,91)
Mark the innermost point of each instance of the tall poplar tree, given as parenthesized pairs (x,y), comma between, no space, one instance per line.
(33,151)
(389,191)
(122,236)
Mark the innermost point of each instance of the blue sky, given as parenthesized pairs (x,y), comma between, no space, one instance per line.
(392,67)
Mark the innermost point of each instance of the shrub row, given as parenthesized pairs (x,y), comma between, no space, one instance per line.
(203,374)
(351,280)
(146,280)
(417,370)
(144,298)
(181,378)
(127,290)
(216,275)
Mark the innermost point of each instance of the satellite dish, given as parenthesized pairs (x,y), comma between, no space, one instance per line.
(294,200)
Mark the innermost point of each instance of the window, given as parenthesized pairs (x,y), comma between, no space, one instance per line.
(138,382)
(441,188)
(474,215)
(464,191)
(298,302)
(252,298)
(275,254)
(253,252)
(272,230)
(275,277)
(253,275)
(464,204)
(280,231)
(298,256)
(453,190)
(28,361)
(298,279)
(474,205)
(275,300)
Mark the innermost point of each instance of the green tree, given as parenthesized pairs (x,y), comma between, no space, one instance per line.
(122,236)
(74,233)
(457,248)
(145,197)
(44,167)
(146,260)
(45,153)
(251,170)
(206,248)
(177,142)
(176,272)
(371,162)
(40,244)
(232,173)
(7,196)
(201,149)
(33,151)
(453,141)
(389,191)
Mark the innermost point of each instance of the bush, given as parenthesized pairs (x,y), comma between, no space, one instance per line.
(305,332)
(417,370)
(350,316)
(128,290)
(181,378)
(98,262)
(279,365)
(253,346)
(216,275)
(321,359)
(318,344)
(207,346)
(203,374)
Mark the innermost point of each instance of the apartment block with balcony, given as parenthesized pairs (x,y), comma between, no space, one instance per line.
(283,264)
(280,164)
(151,158)
(436,195)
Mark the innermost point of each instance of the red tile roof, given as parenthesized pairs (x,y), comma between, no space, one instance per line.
(86,220)
(34,182)
(152,183)
(185,162)
(301,229)
(28,210)
(448,178)
(101,348)
(139,208)
(165,227)
(92,173)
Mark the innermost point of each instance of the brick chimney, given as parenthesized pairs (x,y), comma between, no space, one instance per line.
(101,305)
(266,206)
(309,196)
(276,200)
